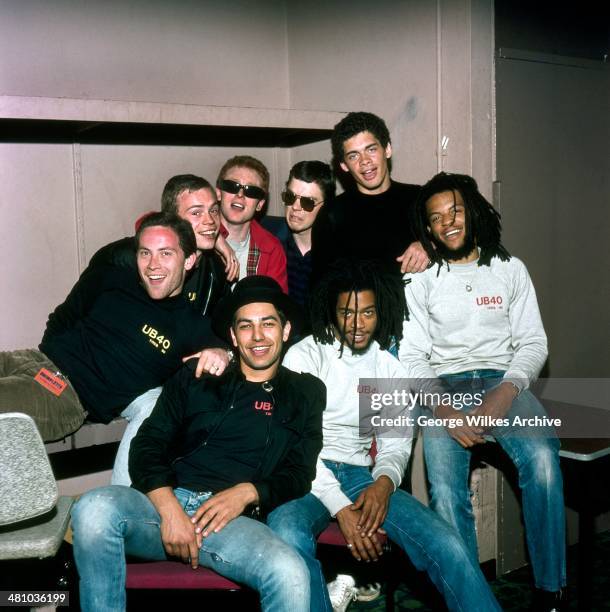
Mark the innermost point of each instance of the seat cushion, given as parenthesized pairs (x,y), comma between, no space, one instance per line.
(36,538)
(175,575)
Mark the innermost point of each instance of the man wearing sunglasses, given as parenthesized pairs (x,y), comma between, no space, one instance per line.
(242,187)
(310,185)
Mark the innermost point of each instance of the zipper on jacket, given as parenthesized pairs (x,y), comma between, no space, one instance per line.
(268,438)
(204,442)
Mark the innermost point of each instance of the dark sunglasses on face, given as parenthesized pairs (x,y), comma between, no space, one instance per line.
(250,191)
(307,203)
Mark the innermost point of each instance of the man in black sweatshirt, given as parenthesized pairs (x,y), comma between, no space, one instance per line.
(373,218)
(215,454)
(193,199)
(118,334)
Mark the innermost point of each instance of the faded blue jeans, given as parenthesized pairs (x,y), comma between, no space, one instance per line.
(429,542)
(535,453)
(113,521)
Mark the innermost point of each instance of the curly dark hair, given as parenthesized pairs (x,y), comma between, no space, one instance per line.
(354,123)
(353,275)
(482,219)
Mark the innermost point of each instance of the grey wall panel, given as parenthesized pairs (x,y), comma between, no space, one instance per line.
(553,131)
(345,56)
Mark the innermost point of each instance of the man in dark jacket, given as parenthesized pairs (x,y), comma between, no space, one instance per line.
(215,454)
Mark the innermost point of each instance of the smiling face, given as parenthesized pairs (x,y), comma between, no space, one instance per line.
(367,161)
(446,216)
(236,208)
(356,316)
(202,211)
(300,220)
(259,336)
(161,262)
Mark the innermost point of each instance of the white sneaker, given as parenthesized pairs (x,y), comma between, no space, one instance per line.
(342,591)
(370,592)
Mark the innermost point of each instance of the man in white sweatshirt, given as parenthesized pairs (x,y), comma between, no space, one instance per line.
(357,310)
(474,323)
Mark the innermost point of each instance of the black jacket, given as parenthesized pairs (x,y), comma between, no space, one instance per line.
(189,411)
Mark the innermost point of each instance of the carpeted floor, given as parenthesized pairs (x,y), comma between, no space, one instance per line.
(513,590)
(414,593)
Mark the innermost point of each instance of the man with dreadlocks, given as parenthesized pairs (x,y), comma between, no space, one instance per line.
(474,322)
(357,310)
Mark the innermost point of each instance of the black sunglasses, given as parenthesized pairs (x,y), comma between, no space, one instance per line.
(307,203)
(250,191)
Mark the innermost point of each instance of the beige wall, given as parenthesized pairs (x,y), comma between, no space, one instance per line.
(187,51)
(426,67)
(39,234)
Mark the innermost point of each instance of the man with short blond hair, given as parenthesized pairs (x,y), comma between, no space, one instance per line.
(193,199)
(242,188)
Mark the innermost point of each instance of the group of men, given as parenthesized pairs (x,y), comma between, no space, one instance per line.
(238,461)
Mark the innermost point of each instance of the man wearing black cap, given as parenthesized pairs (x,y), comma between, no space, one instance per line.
(216,454)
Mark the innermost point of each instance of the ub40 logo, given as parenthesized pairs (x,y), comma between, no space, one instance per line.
(156,339)
(266,407)
(490,301)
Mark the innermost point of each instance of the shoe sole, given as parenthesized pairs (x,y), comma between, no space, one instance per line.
(368,593)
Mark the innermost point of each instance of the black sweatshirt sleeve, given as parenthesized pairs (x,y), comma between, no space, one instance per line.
(120,253)
(91,284)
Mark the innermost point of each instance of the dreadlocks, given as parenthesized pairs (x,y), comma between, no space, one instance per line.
(354,276)
(482,219)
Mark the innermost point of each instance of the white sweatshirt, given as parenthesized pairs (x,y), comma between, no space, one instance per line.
(342,441)
(472,317)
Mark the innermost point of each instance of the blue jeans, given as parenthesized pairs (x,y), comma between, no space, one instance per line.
(135,413)
(113,521)
(535,453)
(428,541)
